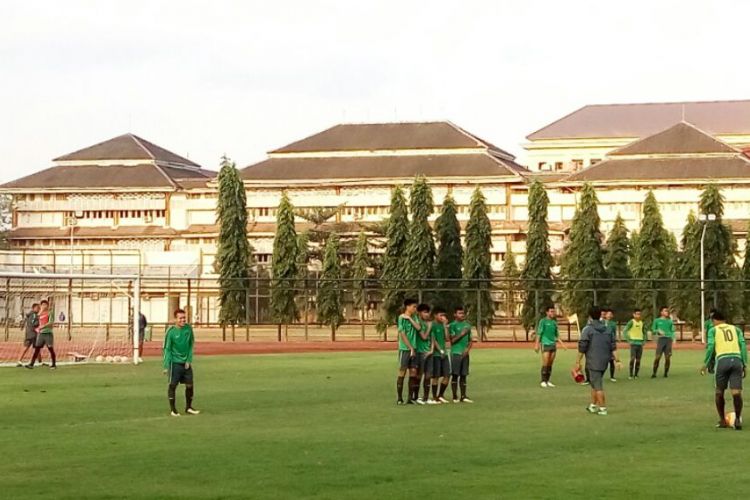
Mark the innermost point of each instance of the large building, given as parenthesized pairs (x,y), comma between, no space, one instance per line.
(587,135)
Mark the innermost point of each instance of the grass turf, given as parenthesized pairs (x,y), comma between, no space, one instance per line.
(326,426)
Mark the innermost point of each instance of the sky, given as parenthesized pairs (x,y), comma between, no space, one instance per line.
(241,78)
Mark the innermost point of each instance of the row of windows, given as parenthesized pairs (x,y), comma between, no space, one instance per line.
(123,214)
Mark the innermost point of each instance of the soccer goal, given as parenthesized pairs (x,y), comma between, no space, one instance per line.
(95,317)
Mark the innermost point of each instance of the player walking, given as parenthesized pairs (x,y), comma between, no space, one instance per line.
(178,361)
(598,345)
(663,328)
(727,343)
(439,364)
(30,325)
(408,329)
(636,335)
(46,335)
(547,337)
(460,335)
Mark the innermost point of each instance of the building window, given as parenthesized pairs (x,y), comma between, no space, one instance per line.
(543,165)
(558,166)
(577,165)
(594,161)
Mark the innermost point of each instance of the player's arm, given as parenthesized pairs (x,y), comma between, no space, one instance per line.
(743,345)
(191,343)
(471,343)
(167,349)
(583,346)
(535,333)
(710,347)
(461,334)
(404,338)
(426,333)
(626,331)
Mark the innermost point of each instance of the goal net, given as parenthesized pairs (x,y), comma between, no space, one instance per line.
(93,316)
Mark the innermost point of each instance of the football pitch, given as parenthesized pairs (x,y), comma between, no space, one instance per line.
(326,426)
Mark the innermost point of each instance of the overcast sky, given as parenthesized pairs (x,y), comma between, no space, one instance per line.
(207,78)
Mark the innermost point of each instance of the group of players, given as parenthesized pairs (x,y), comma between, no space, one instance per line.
(433,352)
(37,326)
(726,354)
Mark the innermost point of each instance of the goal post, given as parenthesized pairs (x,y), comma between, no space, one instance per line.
(96,317)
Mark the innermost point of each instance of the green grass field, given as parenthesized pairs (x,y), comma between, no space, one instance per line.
(326,426)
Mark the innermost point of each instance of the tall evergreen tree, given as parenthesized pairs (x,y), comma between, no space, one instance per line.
(329,307)
(745,276)
(234,252)
(537,274)
(617,269)
(303,259)
(583,260)
(477,264)
(720,250)
(686,296)
(652,264)
(420,247)
(284,265)
(360,273)
(449,256)
(394,259)
(510,282)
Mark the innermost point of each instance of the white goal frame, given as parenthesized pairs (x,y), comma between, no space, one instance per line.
(135,278)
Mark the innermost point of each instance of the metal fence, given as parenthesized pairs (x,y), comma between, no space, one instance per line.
(108,306)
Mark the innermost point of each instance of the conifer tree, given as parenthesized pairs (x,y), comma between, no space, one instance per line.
(394,259)
(420,247)
(329,307)
(617,269)
(233,257)
(449,256)
(303,259)
(652,265)
(510,282)
(284,271)
(686,296)
(537,274)
(360,273)
(477,270)
(583,260)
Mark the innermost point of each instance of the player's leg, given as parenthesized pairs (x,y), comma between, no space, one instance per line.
(455,376)
(187,379)
(612,369)
(721,382)
(638,356)
(175,374)
(426,379)
(552,354)
(463,381)
(596,381)
(659,350)
(417,376)
(735,386)
(403,363)
(51,348)
(413,380)
(26,346)
(445,369)
(667,357)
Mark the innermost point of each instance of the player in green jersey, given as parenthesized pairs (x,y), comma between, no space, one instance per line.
(460,335)
(439,364)
(663,329)
(608,316)
(424,352)
(547,338)
(46,336)
(726,343)
(636,335)
(408,330)
(178,361)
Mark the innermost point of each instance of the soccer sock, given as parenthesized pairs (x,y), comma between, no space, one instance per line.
(53,356)
(611,369)
(462,383)
(544,373)
(631,367)
(35,355)
(413,388)
(454,386)
(720,405)
(171,396)
(637,366)
(400,387)
(435,389)
(667,362)
(443,387)
(656,366)
(189,391)
(737,398)
(426,386)
(549,372)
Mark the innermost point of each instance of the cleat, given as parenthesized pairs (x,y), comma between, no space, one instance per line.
(192,411)
(550,384)
(613,379)
(630,378)
(544,385)
(666,376)
(400,402)
(722,425)
(653,376)
(53,367)
(456,401)
(585,382)
(432,402)
(410,402)
(738,424)
(420,401)
(592,408)
(466,400)
(19,365)
(443,400)
(636,377)
(174,414)
(30,367)
(602,412)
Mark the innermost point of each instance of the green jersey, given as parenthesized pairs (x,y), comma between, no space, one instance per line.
(404,325)
(612,325)
(455,328)
(178,345)
(635,333)
(663,327)
(725,341)
(46,321)
(438,333)
(423,345)
(547,332)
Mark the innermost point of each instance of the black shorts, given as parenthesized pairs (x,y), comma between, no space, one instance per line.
(421,361)
(45,339)
(596,379)
(438,366)
(460,365)
(729,373)
(406,360)
(549,348)
(664,346)
(636,351)
(180,375)
(29,341)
